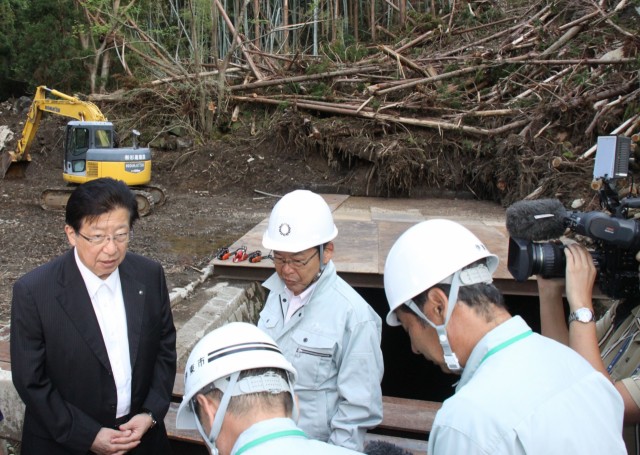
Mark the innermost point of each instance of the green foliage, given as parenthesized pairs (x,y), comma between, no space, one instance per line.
(631,109)
(7,51)
(294,87)
(375,104)
(319,67)
(44,49)
(343,51)
(424,21)
(320,90)
(451,67)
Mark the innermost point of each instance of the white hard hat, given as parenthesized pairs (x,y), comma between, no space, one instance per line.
(299,221)
(427,254)
(234,347)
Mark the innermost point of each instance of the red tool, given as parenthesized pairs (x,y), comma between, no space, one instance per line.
(257,256)
(240,254)
(220,254)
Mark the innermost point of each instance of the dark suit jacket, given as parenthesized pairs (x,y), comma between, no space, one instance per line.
(59,361)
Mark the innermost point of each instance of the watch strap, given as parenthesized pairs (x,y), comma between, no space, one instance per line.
(154,422)
(577,315)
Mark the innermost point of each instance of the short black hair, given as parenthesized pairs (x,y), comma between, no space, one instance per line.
(97,197)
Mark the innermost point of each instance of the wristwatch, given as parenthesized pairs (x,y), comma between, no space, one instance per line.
(153,419)
(583,315)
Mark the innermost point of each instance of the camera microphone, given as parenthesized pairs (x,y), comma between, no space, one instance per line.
(541,219)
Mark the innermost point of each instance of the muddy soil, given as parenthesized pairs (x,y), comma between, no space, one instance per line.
(215,195)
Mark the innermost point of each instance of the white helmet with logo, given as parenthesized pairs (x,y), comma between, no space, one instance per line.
(218,358)
(299,221)
(427,254)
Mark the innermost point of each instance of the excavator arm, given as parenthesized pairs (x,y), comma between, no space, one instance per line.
(14,163)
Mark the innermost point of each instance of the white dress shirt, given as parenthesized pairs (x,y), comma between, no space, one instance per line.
(108,304)
(295,302)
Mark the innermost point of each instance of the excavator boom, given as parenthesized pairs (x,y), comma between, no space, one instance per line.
(14,163)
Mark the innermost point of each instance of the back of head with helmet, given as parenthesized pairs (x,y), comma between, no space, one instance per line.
(300,220)
(216,362)
(431,252)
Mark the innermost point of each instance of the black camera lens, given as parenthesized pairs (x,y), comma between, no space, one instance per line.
(548,259)
(528,258)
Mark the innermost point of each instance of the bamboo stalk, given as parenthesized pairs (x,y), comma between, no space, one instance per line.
(578,21)
(624,125)
(564,39)
(501,33)
(166,80)
(372,20)
(256,23)
(285,24)
(311,77)
(439,77)
(406,61)
(427,123)
(254,69)
(415,41)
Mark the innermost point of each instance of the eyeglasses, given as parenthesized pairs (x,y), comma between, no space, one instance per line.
(293,263)
(104,239)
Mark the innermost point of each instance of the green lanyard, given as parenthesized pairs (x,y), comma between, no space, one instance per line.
(269,437)
(504,344)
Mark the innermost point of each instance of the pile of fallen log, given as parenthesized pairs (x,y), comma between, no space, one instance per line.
(504,102)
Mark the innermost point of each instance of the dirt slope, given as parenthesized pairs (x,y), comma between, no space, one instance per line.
(211,202)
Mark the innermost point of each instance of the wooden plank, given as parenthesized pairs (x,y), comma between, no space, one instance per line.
(402,414)
(415,446)
(368,227)
(190,436)
(399,414)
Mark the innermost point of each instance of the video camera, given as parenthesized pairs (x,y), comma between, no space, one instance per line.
(615,236)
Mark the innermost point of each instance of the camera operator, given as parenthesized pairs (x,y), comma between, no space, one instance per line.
(610,344)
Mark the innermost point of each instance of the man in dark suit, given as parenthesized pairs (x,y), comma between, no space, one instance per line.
(92,337)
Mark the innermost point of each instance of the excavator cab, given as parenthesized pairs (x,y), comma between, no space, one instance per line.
(90,154)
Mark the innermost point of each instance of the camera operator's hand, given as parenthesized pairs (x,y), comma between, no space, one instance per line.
(580,277)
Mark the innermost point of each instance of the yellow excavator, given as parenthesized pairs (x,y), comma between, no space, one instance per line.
(89,152)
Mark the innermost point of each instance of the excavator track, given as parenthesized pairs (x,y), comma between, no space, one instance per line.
(158,193)
(145,202)
(56,199)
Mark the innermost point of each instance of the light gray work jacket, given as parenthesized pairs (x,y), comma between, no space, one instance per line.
(334,343)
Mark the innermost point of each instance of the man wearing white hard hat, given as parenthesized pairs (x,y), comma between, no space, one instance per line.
(519,392)
(238,393)
(324,327)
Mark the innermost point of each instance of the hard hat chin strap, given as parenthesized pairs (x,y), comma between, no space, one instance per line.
(265,383)
(450,357)
(210,440)
(322,267)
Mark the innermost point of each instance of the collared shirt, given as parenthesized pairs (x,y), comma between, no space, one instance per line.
(282,437)
(527,394)
(295,302)
(108,305)
(333,342)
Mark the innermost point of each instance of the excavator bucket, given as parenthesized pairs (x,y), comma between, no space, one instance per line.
(12,168)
